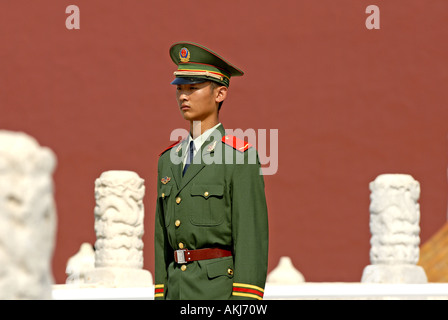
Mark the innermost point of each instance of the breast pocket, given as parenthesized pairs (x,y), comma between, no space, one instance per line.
(209,207)
(164,198)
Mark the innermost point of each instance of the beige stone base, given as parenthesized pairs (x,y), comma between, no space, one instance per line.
(381,273)
(119,277)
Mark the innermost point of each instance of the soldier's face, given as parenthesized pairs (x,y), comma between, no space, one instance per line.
(197,102)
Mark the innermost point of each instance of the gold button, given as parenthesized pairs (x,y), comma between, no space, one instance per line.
(181,245)
(206,194)
(163,195)
(229,271)
(178,200)
(183,268)
(177,223)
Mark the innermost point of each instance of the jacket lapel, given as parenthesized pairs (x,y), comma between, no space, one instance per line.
(176,168)
(198,163)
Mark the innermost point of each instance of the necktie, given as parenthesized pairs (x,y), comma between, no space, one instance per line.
(189,157)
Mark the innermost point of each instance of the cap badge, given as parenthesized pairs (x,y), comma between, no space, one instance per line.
(184,55)
(165,180)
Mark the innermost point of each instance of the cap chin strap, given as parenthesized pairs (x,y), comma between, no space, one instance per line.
(198,73)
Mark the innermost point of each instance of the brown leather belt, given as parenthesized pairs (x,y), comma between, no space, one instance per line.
(185,255)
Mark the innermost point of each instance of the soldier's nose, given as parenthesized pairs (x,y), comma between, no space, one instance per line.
(183,97)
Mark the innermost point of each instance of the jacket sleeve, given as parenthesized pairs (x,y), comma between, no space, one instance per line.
(160,248)
(249,229)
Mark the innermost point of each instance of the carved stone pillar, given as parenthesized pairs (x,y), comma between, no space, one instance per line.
(119,215)
(395,229)
(27,217)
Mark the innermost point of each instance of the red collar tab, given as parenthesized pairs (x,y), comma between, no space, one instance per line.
(236,143)
(175,143)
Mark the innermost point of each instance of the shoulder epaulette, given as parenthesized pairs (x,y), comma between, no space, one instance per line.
(175,143)
(236,143)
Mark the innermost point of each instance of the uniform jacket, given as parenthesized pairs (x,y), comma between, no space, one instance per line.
(219,203)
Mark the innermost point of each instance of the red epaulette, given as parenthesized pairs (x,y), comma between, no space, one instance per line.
(236,143)
(169,147)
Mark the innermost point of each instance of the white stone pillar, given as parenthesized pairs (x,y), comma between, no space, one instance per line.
(27,217)
(285,274)
(395,229)
(119,215)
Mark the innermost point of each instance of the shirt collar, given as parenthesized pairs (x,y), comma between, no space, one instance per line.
(199,141)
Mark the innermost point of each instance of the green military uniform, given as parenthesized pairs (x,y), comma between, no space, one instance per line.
(219,204)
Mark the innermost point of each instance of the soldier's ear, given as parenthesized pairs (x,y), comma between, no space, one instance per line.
(221,94)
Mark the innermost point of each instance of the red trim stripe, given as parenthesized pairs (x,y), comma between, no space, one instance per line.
(197,70)
(246,290)
(158,290)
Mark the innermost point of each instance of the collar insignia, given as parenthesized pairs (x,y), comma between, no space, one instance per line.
(212,146)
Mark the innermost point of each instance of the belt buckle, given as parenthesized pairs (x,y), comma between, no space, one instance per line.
(180,256)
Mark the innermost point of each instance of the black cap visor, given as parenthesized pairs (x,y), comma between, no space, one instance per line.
(188,80)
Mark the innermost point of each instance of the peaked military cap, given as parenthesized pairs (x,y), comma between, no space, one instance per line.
(197,64)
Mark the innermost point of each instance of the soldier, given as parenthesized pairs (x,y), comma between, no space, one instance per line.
(211,226)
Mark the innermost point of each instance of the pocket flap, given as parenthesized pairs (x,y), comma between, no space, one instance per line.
(164,191)
(223,267)
(207,190)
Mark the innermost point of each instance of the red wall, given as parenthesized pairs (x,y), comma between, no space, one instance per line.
(349,104)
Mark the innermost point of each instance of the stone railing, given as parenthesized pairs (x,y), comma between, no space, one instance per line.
(114,270)
(304,291)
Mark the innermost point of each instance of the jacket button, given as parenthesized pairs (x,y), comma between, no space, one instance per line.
(229,271)
(177,223)
(163,195)
(181,245)
(178,200)
(183,268)
(206,194)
